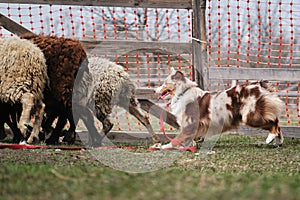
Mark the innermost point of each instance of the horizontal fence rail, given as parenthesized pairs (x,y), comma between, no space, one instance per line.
(179,4)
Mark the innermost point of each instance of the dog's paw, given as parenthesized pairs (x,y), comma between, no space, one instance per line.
(166,146)
(270,138)
(156,145)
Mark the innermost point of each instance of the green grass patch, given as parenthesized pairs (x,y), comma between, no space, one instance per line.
(241,168)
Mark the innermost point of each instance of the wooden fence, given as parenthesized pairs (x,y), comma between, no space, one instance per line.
(198,48)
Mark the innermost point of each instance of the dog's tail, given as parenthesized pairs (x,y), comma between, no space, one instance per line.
(272,106)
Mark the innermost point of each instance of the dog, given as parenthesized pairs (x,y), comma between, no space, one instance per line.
(202,112)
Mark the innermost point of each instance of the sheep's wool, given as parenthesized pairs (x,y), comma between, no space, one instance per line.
(112,85)
(22,69)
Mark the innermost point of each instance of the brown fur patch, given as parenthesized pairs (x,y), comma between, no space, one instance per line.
(235,106)
(178,76)
(204,106)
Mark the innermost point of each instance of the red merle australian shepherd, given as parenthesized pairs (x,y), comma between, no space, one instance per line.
(201,112)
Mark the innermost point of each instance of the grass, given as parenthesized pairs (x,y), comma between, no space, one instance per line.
(241,168)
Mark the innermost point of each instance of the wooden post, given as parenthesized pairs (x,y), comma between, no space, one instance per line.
(12,26)
(199,44)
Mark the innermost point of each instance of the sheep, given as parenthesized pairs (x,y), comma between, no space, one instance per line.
(64,56)
(110,85)
(8,115)
(23,77)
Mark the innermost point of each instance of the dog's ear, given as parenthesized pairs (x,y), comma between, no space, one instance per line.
(178,76)
(173,71)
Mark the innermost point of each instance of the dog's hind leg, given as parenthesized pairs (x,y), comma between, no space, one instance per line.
(272,135)
(279,137)
(275,133)
(145,121)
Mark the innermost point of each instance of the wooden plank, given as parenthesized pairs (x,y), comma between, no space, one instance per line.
(123,47)
(146,94)
(282,74)
(12,26)
(112,47)
(176,4)
(156,111)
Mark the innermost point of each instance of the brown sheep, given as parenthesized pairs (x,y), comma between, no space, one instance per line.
(64,56)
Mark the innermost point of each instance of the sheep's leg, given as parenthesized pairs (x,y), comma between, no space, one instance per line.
(87,116)
(145,121)
(34,136)
(70,134)
(27,105)
(2,122)
(107,125)
(18,137)
(61,122)
(2,131)
(48,121)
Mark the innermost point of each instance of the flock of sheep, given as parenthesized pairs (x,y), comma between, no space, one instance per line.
(48,78)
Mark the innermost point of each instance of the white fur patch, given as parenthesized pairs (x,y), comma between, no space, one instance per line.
(270,138)
(166,146)
(249,106)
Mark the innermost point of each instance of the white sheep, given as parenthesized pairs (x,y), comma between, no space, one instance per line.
(109,85)
(23,77)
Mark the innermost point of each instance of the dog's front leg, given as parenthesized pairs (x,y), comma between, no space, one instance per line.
(186,136)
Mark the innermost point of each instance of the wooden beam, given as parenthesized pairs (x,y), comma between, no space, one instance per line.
(176,4)
(282,74)
(156,111)
(112,47)
(12,26)
(199,44)
(122,47)
(146,94)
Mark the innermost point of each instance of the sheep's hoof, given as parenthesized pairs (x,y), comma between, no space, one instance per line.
(33,140)
(69,137)
(22,142)
(53,139)
(3,135)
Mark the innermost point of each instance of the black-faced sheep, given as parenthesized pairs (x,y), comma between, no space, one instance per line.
(23,77)
(64,56)
(110,85)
